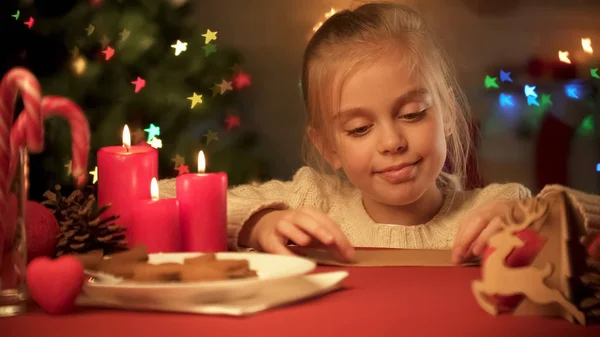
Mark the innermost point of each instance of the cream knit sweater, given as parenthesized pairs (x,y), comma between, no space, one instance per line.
(343,203)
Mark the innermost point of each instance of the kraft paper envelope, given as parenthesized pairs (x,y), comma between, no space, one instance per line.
(376,257)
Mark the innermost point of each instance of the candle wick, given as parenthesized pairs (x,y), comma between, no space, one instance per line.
(126,147)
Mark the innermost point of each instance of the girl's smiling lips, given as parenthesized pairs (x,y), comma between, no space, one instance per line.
(398,173)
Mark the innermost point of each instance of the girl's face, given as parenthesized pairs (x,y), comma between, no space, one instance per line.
(389,139)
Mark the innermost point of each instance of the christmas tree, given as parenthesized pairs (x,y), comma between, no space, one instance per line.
(145,63)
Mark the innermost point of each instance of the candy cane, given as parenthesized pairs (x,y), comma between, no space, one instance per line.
(21,80)
(80,134)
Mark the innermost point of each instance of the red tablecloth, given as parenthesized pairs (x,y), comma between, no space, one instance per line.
(392,301)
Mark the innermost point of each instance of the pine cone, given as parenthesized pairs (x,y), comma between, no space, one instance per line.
(81,229)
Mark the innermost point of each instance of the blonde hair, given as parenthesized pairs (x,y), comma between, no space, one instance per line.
(349,40)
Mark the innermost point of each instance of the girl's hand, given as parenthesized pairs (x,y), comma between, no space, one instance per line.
(477,226)
(271,230)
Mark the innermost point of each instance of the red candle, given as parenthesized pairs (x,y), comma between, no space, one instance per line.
(203,209)
(155,223)
(124,174)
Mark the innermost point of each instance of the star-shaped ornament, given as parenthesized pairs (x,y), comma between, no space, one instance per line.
(108,52)
(209,36)
(16,15)
(90,29)
(139,84)
(490,82)
(586,44)
(29,23)
(241,80)
(563,56)
(210,136)
(506,100)
(153,131)
(182,169)
(232,121)
(178,160)
(505,76)
(594,73)
(209,49)
(155,143)
(95,174)
(532,100)
(195,99)
(179,47)
(572,91)
(530,91)
(546,99)
(224,86)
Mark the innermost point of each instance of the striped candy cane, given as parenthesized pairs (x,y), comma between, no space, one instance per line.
(80,134)
(18,80)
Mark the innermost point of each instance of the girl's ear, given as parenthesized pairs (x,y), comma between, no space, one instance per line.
(319,143)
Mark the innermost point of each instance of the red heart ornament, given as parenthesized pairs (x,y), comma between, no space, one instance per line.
(55,284)
(519,257)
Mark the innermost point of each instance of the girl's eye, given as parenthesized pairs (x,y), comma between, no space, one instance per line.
(414,116)
(360,131)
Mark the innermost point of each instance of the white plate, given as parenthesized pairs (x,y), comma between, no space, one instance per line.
(270,268)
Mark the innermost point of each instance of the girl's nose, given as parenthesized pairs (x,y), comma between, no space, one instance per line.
(391,140)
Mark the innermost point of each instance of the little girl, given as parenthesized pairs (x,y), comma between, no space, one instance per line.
(384,114)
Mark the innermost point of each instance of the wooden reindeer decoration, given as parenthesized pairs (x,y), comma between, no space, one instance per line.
(499,279)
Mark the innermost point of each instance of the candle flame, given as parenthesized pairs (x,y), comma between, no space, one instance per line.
(563,56)
(154,189)
(586,43)
(201,162)
(126,137)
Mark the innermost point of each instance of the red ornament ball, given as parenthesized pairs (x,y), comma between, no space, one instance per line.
(41,228)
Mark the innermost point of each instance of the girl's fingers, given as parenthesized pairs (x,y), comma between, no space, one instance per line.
(290,231)
(276,245)
(473,227)
(342,249)
(482,241)
(311,226)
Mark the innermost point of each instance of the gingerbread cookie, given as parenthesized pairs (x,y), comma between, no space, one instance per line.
(133,265)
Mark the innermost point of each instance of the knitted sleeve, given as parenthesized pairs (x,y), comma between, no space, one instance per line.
(587,204)
(511,191)
(307,188)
